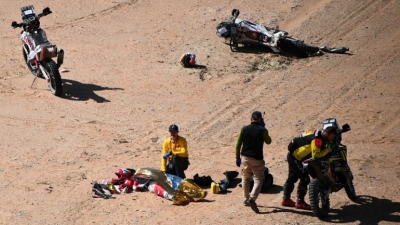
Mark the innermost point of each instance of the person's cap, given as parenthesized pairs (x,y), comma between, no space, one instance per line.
(173,127)
(256,115)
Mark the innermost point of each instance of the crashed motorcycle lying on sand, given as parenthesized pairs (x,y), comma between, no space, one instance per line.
(330,175)
(38,51)
(245,32)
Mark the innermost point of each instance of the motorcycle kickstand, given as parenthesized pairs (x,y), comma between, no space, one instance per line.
(33,81)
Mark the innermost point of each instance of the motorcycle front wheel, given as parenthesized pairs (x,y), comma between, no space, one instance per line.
(350,191)
(31,67)
(319,199)
(233,45)
(55,78)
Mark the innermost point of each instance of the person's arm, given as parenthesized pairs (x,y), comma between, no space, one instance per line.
(239,143)
(267,138)
(182,150)
(317,151)
(165,149)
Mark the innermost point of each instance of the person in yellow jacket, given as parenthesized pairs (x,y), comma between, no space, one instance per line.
(311,144)
(175,156)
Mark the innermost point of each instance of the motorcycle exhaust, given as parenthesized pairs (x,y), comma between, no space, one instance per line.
(60,57)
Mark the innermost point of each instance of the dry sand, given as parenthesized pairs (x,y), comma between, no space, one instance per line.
(125,86)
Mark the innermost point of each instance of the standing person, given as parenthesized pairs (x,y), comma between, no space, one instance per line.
(249,153)
(175,157)
(309,144)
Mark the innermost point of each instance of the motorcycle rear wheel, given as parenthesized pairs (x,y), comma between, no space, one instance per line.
(297,47)
(319,199)
(55,78)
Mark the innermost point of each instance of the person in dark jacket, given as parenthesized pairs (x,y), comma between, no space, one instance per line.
(249,154)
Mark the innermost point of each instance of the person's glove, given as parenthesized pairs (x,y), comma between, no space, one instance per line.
(166,155)
(238,162)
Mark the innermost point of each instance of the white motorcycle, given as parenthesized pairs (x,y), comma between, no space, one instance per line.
(38,51)
(245,32)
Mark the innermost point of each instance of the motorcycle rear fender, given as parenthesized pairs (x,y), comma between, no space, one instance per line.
(48,51)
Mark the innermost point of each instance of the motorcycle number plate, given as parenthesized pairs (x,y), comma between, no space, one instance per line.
(28,12)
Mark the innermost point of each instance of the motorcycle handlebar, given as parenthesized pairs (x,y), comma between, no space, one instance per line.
(14,24)
(235,14)
(46,11)
(345,128)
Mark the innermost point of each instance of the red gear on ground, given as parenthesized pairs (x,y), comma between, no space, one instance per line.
(122,175)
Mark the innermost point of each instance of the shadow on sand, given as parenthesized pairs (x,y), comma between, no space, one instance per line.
(252,49)
(366,210)
(76,91)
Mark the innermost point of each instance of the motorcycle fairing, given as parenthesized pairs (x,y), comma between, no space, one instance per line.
(254,32)
(252,27)
(38,45)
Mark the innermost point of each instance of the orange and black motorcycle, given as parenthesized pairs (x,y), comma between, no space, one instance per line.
(331,174)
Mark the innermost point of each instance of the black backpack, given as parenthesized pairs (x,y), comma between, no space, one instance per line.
(268,181)
(203,181)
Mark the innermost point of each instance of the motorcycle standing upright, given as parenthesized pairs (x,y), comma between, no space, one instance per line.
(330,175)
(37,51)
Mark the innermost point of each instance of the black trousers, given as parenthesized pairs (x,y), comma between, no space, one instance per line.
(177,166)
(295,173)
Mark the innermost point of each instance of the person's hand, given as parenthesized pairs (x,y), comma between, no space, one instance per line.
(262,123)
(166,155)
(238,162)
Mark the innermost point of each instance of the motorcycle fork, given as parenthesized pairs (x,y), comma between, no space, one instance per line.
(234,34)
(46,76)
(36,62)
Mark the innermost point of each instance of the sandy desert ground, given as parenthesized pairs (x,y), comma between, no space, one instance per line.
(125,86)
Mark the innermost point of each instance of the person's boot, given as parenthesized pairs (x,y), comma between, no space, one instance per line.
(287,191)
(288,202)
(301,204)
(252,205)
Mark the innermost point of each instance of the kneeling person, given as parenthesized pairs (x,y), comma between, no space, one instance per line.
(175,157)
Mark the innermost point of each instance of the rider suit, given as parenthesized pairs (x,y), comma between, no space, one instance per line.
(302,147)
